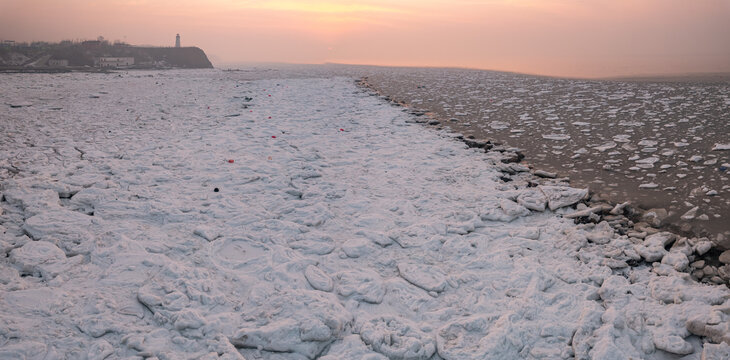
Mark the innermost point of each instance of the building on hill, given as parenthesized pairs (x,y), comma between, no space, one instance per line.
(113,62)
(177,41)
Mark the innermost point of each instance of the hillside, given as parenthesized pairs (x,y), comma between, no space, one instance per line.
(82,54)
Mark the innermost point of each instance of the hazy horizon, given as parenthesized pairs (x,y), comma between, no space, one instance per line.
(571,38)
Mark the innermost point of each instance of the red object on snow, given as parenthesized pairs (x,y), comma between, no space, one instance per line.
(230,161)
(269,95)
(269,117)
(342,129)
(273,136)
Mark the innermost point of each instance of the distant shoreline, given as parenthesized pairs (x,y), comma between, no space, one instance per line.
(681,78)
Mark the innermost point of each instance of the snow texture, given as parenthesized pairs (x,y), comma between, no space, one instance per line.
(340,231)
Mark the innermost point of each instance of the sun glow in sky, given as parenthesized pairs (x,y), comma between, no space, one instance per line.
(590,38)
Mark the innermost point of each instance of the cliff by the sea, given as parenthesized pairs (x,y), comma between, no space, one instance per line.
(98,54)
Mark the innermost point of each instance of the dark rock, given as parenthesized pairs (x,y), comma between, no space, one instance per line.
(512,157)
(481,144)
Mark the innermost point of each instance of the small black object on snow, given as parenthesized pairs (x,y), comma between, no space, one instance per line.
(216,190)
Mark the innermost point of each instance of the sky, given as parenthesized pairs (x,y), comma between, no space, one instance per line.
(578,38)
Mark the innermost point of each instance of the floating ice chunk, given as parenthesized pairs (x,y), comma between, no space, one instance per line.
(32,201)
(561,196)
(720,147)
(39,258)
(467,338)
(690,214)
(557,137)
(416,234)
(299,321)
(355,248)
(716,351)
(66,228)
(499,125)
(649,161)
(351,347)
(672,344)
(504,210)
(206,232)
(314,215)
(622,138)
(429,278)
(681,144)
(649,186)
(361,285)
(580,123)
(653,247)
(313,243)
(647,143)
(318,279)
(613,288)
(677,260)
(188,319)
(713,325)
(606,146)
(31,350)
(397,338)
(601,234)
(696,158)
(532,199)
(100,350)
(238,254)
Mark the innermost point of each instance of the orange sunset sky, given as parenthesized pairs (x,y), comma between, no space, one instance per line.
(586,38)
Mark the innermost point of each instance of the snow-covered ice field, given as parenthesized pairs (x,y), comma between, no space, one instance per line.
(337,231)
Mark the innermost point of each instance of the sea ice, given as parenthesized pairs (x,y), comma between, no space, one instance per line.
(387,240)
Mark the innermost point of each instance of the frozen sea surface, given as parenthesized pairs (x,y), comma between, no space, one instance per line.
(656,144)
(202,215)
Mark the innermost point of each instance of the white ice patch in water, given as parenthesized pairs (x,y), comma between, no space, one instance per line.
(499,125)
(622,138)
(606,146)
(647,143)
(557,137)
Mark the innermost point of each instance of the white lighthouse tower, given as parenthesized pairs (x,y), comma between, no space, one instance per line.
(177,41)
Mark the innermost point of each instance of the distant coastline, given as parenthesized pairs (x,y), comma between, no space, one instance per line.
(690,77)
(96,56)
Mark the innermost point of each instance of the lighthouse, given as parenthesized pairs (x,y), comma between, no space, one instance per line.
(177,41)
